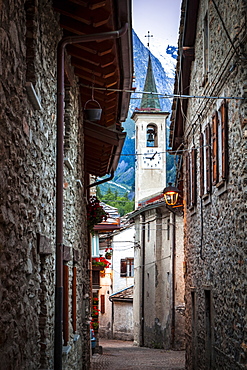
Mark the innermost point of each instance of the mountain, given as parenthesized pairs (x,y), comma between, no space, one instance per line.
(163,69)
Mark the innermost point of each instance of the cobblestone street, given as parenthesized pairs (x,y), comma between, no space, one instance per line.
(122,355)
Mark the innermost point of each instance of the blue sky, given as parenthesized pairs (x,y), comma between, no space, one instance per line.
(160,17)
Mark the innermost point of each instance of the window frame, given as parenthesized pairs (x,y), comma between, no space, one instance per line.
(127,267)
(205,161)
(191,183)
(220,145)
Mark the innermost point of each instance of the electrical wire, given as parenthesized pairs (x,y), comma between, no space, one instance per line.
(164,95)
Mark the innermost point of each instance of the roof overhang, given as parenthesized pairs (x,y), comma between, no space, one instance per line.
(188,24)
(102,148)
(106,64)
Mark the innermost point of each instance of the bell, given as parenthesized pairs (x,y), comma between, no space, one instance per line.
(150,138)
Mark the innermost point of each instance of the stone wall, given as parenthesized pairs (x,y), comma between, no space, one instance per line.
(29,34)
(215,228)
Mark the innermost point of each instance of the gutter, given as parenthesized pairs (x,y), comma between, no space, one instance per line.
(58,341)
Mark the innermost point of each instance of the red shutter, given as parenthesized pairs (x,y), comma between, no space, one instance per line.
(224,124)
(74,300)
(193,176)
(201,165)
(208,159)
(102,304)
(215,147)
(65,304)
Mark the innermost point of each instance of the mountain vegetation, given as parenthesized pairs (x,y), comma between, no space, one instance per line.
(122,203)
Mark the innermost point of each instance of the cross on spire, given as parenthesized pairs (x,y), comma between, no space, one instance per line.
(148,36)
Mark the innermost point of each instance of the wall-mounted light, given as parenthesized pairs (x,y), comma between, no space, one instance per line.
(171,194)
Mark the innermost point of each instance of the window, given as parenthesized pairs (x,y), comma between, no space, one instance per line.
(152,140)
(127,267)
(205,161)
(191,178)
(219,144)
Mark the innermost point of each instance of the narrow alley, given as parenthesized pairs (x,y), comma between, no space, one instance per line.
(122,355)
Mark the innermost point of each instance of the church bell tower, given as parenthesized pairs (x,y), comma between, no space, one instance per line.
(150,123)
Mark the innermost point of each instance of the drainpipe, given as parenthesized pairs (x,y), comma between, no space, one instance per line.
(143,281)
(58,344)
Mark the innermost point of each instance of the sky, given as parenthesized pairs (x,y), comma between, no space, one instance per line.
(160,17)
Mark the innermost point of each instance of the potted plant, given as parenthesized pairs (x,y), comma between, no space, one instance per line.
(95,213)
(108,253)
(101,262)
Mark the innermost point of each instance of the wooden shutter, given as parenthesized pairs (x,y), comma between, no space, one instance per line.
(74,300)
(224,130)
(123,268)
(102,303)
(215,148)
(65,304)
(187,171)
(201,164)
(193,176)
(208,159)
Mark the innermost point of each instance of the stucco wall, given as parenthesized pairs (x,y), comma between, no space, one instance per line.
(159,285)
(123,321)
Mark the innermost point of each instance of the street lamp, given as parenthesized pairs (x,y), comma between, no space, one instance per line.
(171,194)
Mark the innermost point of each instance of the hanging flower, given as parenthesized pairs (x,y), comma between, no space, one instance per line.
(95,213)
(108,253)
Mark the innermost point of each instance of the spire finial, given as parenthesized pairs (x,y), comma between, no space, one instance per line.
(148,36)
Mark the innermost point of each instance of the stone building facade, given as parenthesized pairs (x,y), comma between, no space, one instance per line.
(210,133)
(29,35)
(158,279)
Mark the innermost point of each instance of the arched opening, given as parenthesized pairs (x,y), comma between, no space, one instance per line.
(152,137)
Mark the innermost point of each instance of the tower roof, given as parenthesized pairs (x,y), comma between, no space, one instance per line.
(150,101)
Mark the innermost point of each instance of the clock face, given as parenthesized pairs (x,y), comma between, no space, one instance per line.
(151,158)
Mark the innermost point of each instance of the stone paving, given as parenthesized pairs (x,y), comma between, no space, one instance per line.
(122,355)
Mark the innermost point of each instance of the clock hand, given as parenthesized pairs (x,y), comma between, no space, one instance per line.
(153,155)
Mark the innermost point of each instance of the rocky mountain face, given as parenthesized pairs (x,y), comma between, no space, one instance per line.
(163,69)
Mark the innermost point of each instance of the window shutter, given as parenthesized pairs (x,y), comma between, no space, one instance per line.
(187,170)
(208,159)
(102,303)
(215,147)
(74,299)
(123,268)
(224,128)
(201,165)
(65,304)
(193,176)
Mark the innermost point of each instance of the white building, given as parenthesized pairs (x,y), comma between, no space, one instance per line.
(116,292)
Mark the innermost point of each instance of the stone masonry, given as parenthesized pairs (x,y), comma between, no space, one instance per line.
(29,34)
(215,225)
